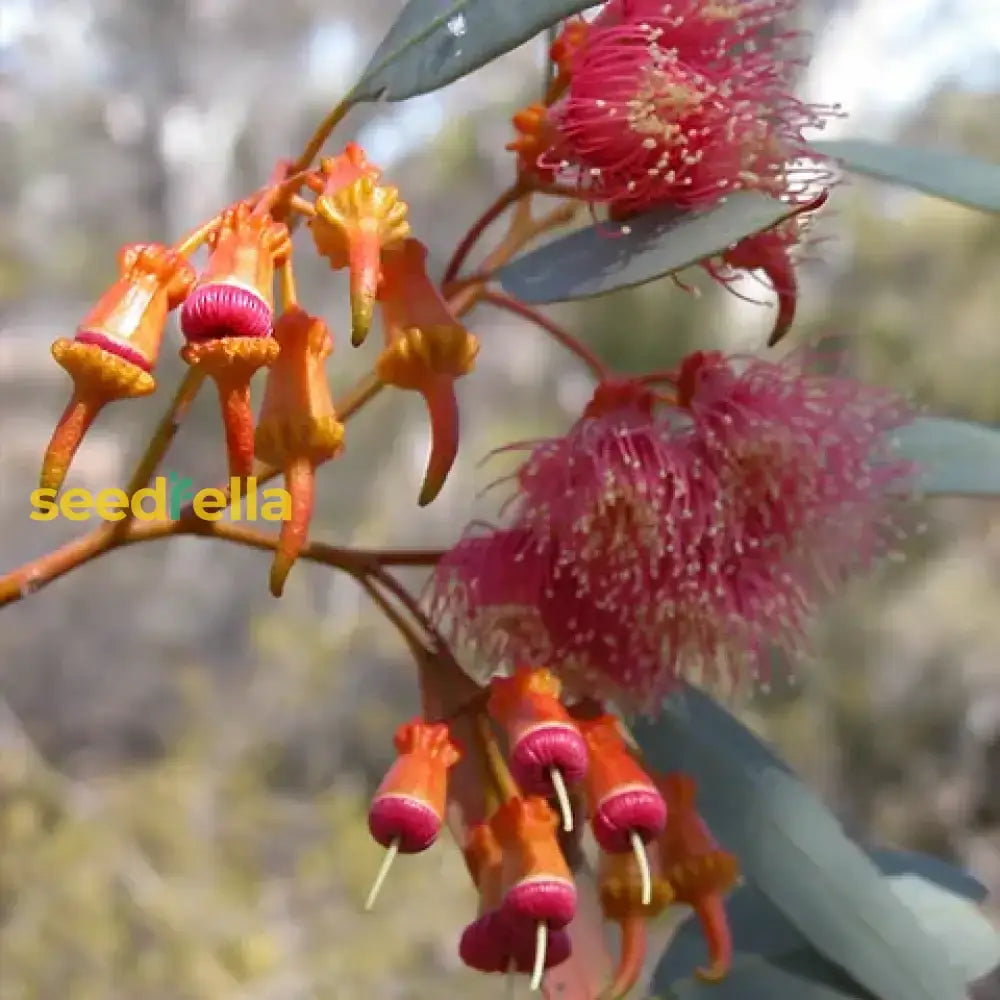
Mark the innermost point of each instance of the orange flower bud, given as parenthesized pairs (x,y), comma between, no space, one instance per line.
(298,428)
(116,346)
(536,135)
(538,885)
(227,318)
(490,943)
(567,44)
(426,349)
(409,805)
(545,745)
(698,870)
(621,798)
(356,219)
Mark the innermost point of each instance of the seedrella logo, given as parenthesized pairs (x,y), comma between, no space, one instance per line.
(164,499)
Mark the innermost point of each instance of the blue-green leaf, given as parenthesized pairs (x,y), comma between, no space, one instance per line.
(955,457)
(796,853)
(892,861)
(952,176)
(603,258)
(758,928)
(434,42)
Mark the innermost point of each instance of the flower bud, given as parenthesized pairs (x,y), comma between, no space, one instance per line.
(116,346)
(356,219)
(698,870)
(622,800)
(546,748)
(227,319)
(298,428)
(426,349)
(409,805)
(538,886)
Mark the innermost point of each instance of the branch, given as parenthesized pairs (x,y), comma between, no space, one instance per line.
(553,329)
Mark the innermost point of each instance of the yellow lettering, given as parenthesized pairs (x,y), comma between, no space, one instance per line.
(44,503)
(110,504)
(252,498)
(280,501)
(76,505)
(208,505)
(158,494)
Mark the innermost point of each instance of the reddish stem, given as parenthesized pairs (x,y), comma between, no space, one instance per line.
(599,369)
(478,228)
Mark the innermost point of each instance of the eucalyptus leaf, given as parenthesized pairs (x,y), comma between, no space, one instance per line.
(892,861)
(606,257)
(952,176)
(796,853)
(434,42)
(955,457)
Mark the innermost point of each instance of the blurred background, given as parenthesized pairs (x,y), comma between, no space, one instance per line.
(185,762)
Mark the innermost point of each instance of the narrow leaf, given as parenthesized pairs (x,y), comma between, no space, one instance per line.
(952,176)
(796,853)
(434,42)
(604,258)
(955,456)
(971,941)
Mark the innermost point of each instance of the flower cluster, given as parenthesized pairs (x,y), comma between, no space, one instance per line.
(681,535)
(232,330)
(689,523)
(654,848)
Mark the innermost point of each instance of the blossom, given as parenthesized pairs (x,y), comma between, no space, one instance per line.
(682,103)
(661,538)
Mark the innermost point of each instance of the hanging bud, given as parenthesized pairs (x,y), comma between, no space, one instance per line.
(298,427)
(426,350)
(484,944)
(116,347)
(491,943)
(568,43)
(538,886)
(227,318)
(629,898)
(546,749)
(622,801)
(698,870)
(408,809)
(356,219)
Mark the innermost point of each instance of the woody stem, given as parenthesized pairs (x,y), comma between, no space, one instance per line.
(553,329)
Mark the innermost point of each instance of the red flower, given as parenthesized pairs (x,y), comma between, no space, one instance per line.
(655,540)
(682,103)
